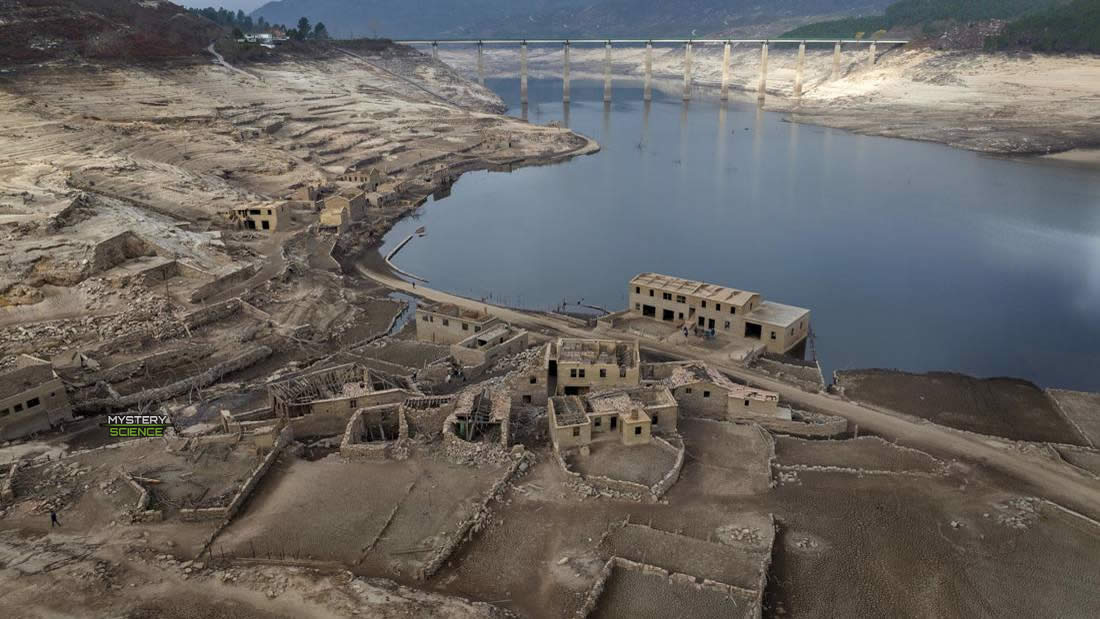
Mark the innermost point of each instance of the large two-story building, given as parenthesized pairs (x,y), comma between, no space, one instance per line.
(727,311)
(575,366)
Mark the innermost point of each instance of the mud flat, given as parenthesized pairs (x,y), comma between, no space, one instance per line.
(1005,407)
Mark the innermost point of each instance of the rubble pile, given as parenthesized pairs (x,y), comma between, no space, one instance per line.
(1018,513)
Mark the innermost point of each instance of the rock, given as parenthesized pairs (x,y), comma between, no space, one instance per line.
(563,561)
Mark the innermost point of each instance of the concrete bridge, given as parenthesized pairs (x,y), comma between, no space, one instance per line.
(688,44)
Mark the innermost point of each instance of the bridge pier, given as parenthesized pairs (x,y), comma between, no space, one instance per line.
(565,73)
(726,71)
(761,90)
(435,51)
(798,70)
(648,94)
(607,73)
(523,73)
(871,56)
(480,63)
(687,71)
(836,61)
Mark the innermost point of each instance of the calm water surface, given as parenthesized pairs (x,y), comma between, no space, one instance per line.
(910,255)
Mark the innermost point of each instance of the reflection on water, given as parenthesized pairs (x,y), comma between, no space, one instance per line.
(911,255)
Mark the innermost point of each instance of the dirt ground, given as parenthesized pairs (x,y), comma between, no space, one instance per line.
(1083,411)
(632,593)
(865,452)
(641,464)
(384,516)
(724,459)
(1006,407)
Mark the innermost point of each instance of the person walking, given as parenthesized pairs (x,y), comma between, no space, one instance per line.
(53,519)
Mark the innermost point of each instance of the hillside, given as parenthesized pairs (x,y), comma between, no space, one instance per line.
(927,17)
(402,19)
(40,30)
(1074,27)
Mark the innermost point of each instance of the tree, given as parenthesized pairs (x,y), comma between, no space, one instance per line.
(878,34)
(859,36)
(320,32)
(237,34)
(303,28)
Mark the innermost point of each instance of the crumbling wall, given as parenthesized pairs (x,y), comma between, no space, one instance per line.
(353,448)
(141,511)
(223,283)
(116,250)
(284,438)
(471,525)
(673,475)
(211,313)
(807,424)
(596,484)
(805,375)
(180,387)
(7,486)
(157,361)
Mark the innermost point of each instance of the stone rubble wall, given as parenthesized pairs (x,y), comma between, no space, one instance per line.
(7,486)
(471,525)
(141,511)
(223,283)
(597,484)
(660,488)
(810,425)
(180,387)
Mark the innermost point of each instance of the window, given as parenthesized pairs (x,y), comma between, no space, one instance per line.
(773,335)
(534,380)
(4,413)
(446,322)
(351,403)
(573,373)
(424,318)
(651,292)
(598,422)
(268,211)
(637,306)
(603,373)
(655,420)
(31,403)
(581,373)
(576,431)
(622,372)
(717,307)
(526,399)
(17,408)
(687,390)
(681,298)
(727,324)
(637,290)
(477,329)
(637,429)
(733,310)
(667,296)
(703,303)
(465,326)
(746,402)
(792,331)
(706,394)
(681,315)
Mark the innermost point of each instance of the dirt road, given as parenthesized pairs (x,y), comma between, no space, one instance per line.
(1045,478)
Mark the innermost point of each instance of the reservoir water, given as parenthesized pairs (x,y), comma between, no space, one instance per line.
(911,255)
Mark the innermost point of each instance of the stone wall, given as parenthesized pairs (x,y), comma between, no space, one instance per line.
(805,375)
(660,488)
(223,283)
(7,485)
(180,387)
(352,447)
(596,484)
(116,250)
(469,526)
(807,424)
(157,361)
(141,511)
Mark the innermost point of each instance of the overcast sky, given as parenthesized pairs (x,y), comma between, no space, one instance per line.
(246,5)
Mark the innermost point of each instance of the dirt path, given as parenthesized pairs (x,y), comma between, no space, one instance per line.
(1045,478)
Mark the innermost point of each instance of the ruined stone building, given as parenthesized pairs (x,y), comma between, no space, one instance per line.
(351,199)
(702,391)
(328,397)
(306,193)
(368,180)
(483,348)
(629,416)
(481,413)
(445,323)
(779,328)
(268,217)
(575,366)
(32,399)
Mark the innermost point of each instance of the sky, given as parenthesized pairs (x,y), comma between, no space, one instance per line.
(246,5)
